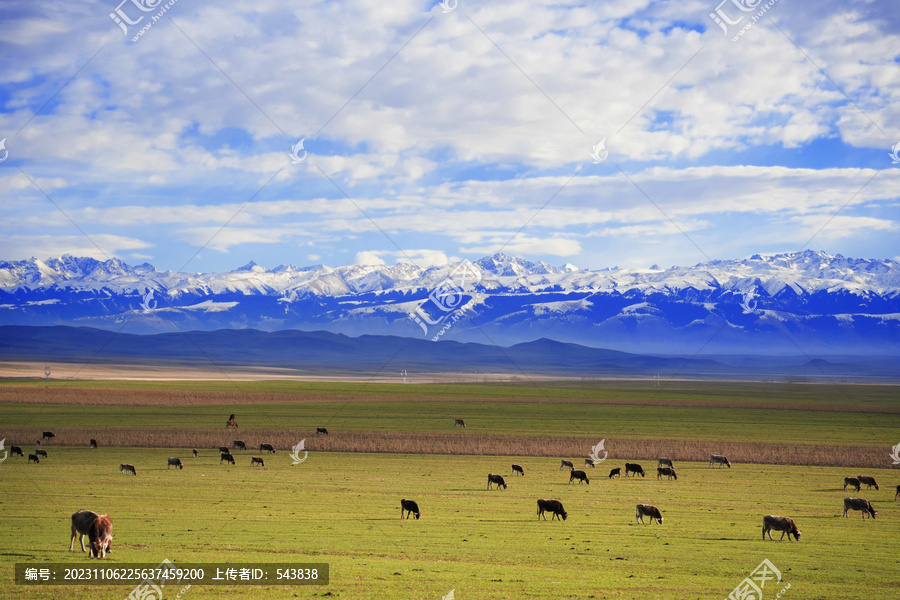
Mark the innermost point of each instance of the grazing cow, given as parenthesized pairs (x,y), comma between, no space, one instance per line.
(498,479)
(782,524)
(554,506)
(566,463)
(224,450)
(127,469)
(226,457)
(14,450)
(459,423)
(580,476)
(634,468)
(174,462)
(48,435)
(238,444)
(589,462)
(231,418)
(100,536)
(410,507)
(650,511)
(267,447)
(196,454)
(81,523)
(897,495)
(321,430)
(617,472)
(860,504)
(869,481)
(94,443)
(669,472)
(33,458)
(231,423)
(40,452)
(851,481)
(664,462)
(519,470)
(257,460)
(718,459)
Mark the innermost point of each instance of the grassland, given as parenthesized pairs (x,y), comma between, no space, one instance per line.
(342,507)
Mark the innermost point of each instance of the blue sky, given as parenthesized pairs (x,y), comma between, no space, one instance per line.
(433,136)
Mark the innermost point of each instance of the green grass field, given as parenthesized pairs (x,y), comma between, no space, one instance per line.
(343,508)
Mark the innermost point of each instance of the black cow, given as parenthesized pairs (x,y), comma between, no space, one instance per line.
(410,507)
(267,447)
(617,472)
(498,479)
(15,450)
(239,445)
(224,449)
(48,435)
(869,481)
(127,469)
(897,495)
(40,452)
(94,443)
(519,470)
(633,468)
(196,454)
(860,504)
(554,506)
(321,430)
(580,476)
(174,462)
(33,458)
(226,457)
(852,482)
(669,472)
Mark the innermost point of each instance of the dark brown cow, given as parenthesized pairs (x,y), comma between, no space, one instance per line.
(410,507)
(869,481)
(633,468)
(669,472)
(226,457)
(498,479)
(782,524)
(223,449)
(852,482)
(617,472)
(554,506)
(14,450)
(100,536)
(239,445)
(563,464)
(257,460)
(33,458)
(267,447)
(897,495)
(650,511)
(860,504)
(48,435)
(40,452)
(459,423)
(174,462)
(321,430)
(580,476)
(127,469)
(81,523)
(519,470)
(196,454)
(94,443)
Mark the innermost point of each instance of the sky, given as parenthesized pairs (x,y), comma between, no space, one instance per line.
(199,136)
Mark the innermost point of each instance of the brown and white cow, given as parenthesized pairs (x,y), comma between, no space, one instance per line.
(580,476)
(589,462)
(634,468)
(782,524)
(231,423)
(128,469)
(410,507)
(257,460)
(94,443)
(196,454)
(174,462)
(852,482)
(566,464)
(267,447)
(554,506)
(498,479)
(100,536)
(860,504)
(869,481)
(650,511)
(519,470)
(669,472)
(718,459)
(617,472)
(226,457)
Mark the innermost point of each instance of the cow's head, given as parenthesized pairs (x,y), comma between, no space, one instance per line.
(564,515)
(796,534)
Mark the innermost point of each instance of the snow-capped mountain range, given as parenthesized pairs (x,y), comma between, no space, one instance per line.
(809,302)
